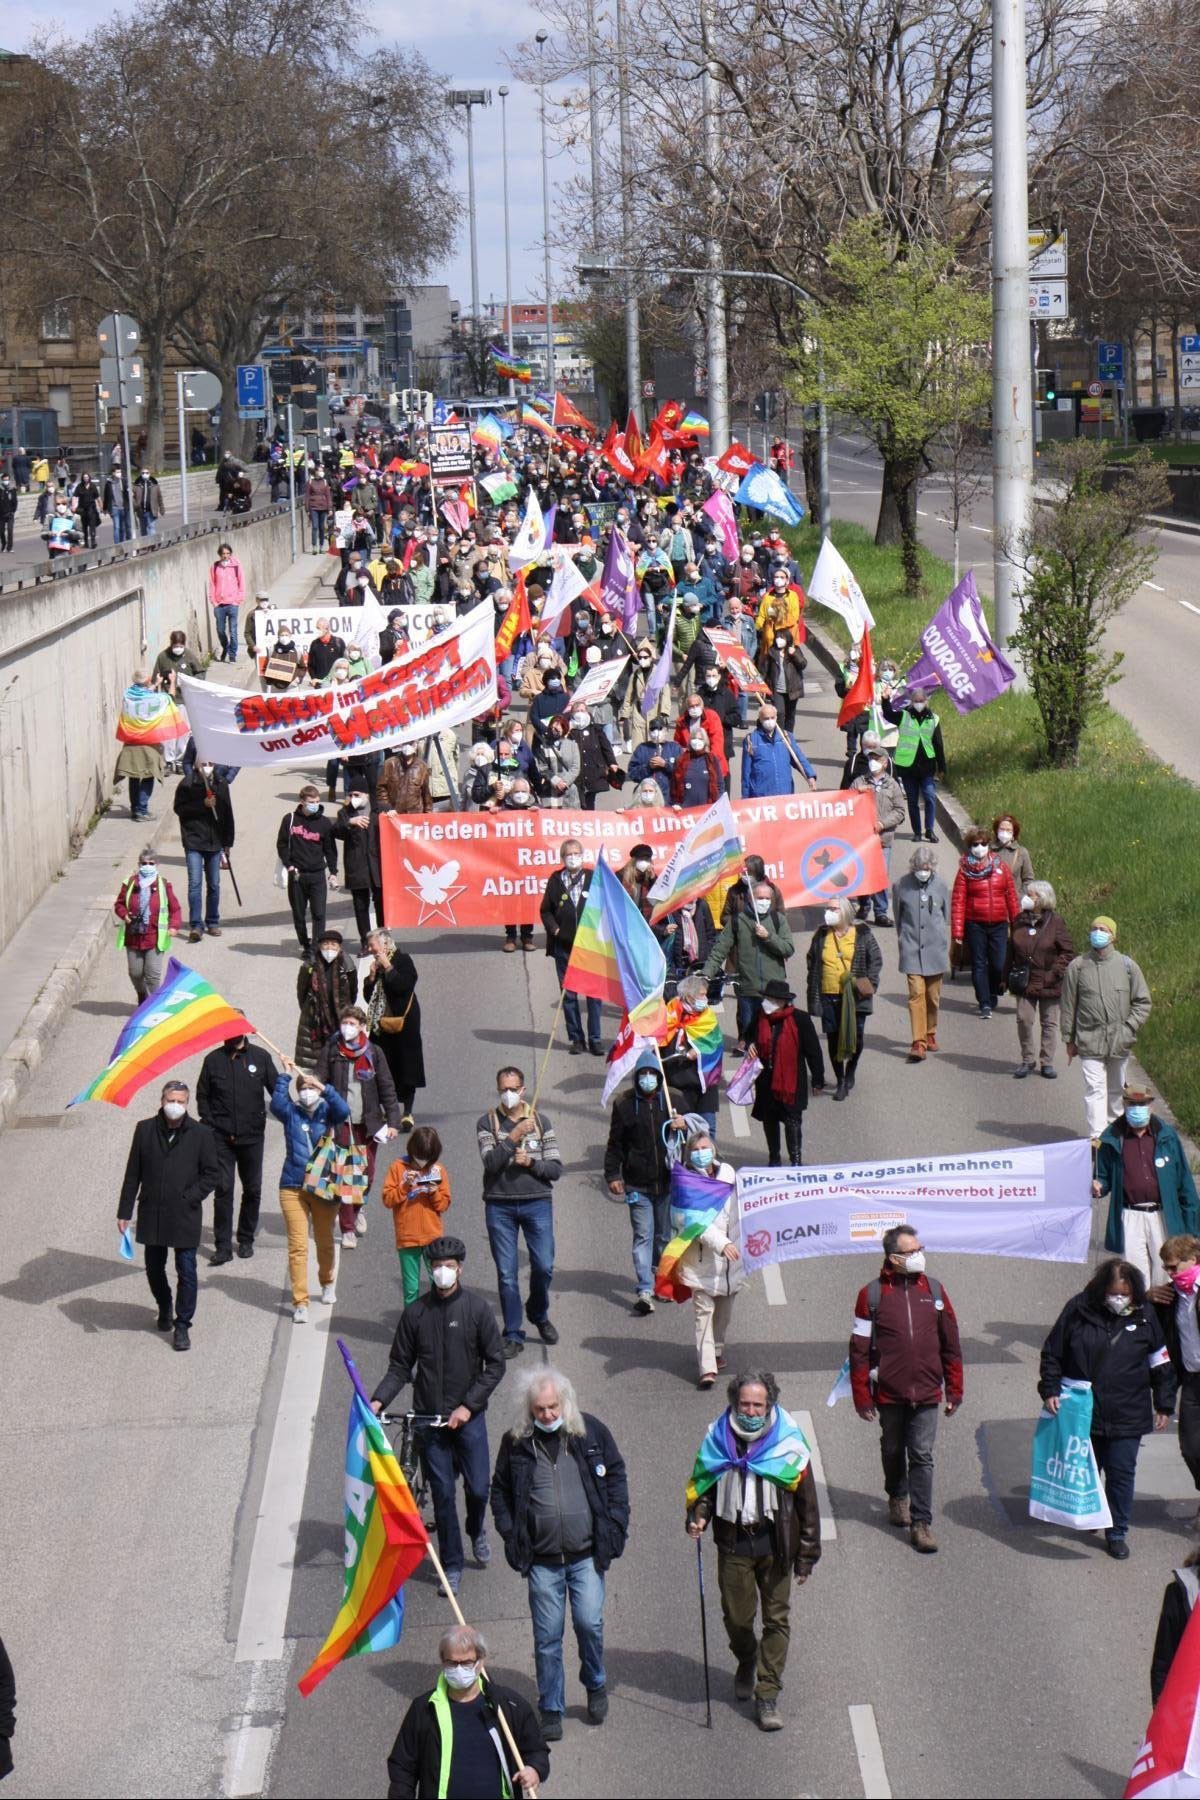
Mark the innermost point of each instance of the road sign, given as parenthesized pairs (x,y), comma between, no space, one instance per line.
(118,326)
(1047,299)
(251,389)
(1047,256)
(1095,389)
(1191,344)
(1110,362)
(201,391)
(1190,360)
(1190,378)
(648,390)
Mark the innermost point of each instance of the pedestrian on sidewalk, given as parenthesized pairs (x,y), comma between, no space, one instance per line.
(115,505)
(236,1081)
(904,1356)
(10,500)
(226,591)
(1039,953)
(318,503)
(766,1526)
(448,1345)
(148,913)
(416,1191)
(139,764)
(844,968)
(326,985)
(1008,849)
(307,847)
(147,497)
(308,1113)
(206,828)
(983,905)
(172,1167)
(638,1169)
(786,1044)
(1105,1003)
(560,1500)
(358,1070)
(1143,1168)
(454,1726)
(921,908)
(920,756)
(521,1163)
(394,1018)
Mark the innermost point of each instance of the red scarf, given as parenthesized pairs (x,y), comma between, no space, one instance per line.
(364,1066)
(779,1051)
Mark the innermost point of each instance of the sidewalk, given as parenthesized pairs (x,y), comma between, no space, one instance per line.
(45,967)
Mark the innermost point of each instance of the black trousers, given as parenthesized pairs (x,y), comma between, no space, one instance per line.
(792,1127)
(307,893)
(246,1159)
(363,898)
(1189,1422)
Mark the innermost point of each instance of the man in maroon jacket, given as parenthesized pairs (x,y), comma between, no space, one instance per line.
(904,1353)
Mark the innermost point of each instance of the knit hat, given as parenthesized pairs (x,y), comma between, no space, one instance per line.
(647,1060)
(1103,923)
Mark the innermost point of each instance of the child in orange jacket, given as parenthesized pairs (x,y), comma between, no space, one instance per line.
(417,1190)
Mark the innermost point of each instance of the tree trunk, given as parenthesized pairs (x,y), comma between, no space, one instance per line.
(888,529)
(810,460)
(1153,362)
(1131,374)
(906,506)
(1177,423)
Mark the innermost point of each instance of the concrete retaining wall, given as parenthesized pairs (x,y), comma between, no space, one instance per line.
(67,651)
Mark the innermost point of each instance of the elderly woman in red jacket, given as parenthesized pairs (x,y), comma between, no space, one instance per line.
(696,779)
(983,904)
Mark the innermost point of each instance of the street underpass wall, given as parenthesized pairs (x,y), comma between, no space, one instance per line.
(68,648)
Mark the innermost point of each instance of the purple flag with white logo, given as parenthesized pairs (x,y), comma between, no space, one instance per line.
(957,652)
(618,587)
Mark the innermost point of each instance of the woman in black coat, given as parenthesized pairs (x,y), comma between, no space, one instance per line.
(87,508)
(1109,1336)
(390,991)
(357,827)
(325,986)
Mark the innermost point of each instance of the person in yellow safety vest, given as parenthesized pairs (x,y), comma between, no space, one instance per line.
(147,913)
(452,1744)
(919,758)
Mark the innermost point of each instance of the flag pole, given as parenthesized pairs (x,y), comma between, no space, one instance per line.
(704,1632)
(562,995)
(452,1597)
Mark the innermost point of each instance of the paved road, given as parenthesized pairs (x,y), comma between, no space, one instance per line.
(148,1494)
(1158,633)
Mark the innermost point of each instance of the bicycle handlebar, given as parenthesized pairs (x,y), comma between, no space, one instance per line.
(437,1420)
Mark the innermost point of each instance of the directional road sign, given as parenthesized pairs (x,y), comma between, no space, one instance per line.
(1110,362)
(251,390)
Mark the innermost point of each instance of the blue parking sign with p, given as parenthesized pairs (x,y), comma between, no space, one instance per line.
(251,387)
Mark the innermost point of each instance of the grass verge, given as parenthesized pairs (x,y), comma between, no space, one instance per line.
(1117,834)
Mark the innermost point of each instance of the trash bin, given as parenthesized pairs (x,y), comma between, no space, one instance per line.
(1149,423)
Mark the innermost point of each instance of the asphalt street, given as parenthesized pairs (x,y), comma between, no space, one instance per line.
(173,1526)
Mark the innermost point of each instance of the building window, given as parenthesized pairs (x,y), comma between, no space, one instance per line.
(60,400)
(56,322)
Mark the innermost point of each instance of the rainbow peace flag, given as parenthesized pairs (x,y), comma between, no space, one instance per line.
(510,367)
(781,1455)
(385,1540)
(704,1035)
(694,423)
(149,717)
(616,956)
(543,403)
(697,1199)
(710,852)
(533,421)
(184,1017)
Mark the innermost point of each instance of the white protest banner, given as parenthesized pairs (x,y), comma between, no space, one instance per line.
(595,687)
(445,682)
(343,622)
(733,655)
(1034,1201)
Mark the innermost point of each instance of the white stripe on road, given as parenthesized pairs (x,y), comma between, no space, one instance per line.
(828,1522)
(247,1752)
(1155,586)
(869,1752)
(773,1285)
(1190,607)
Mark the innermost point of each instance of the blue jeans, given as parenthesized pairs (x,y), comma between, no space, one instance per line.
(920,790)
(748,1011)
(316,521)
(227,627)
(548,1591)
(986,945)
(140,789)
(204,868)
(185,1272)
(447,1455)
(121,527)
(506,1219)
(571,1004)
(147,524)
(650,1216)
(1117,1459)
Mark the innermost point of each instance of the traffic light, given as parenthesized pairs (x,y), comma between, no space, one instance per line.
(1047,386)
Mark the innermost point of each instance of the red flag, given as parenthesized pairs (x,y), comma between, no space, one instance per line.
(861,692)
(610,438)
(655,460)
(466,496)
(515,621)
(1168,1763)
(618,458)
(566,414)
(668,416)
(737,460)
(633,440)
(574,442)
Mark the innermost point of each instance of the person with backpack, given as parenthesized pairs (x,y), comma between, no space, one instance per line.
(904,1357)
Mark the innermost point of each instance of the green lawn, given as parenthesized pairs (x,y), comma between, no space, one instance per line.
(1184,455)
(1117,834)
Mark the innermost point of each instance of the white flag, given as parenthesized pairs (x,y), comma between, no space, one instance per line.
(833,585)
(530,539)
(370,621)
(569,582)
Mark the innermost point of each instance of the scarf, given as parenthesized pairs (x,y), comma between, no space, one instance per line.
(689,936)
(778,1456)
(363,1061)
(783,1059)
(978,871)
(146,886)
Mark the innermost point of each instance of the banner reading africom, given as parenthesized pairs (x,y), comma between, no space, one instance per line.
(477,868)
(448,680)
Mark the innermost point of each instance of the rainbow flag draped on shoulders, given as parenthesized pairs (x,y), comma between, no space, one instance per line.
(385,1540)
(704,1035)
(781,1455)
(511,368)
(710,852)
(699,1198)
(616,956)
(149,716)
(185,1016)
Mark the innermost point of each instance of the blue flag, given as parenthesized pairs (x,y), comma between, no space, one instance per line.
(762,489)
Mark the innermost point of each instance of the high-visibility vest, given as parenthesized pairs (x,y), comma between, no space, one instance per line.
(443,1712)
(914,731)
(164,915)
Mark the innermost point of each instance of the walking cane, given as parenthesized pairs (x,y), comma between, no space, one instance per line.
(704,1632)
(227,865)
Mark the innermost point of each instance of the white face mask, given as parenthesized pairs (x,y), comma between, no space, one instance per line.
(1026,902)
(310,1098)
(979,851)
(351,1031)
(358,801)
(1118,1303)
(461,1676)
(581,721)
(1004,837)
(833,919)
(329,953)
(767,725)
(696,745)
(173,1111)
(770,1006)
(923,875)
(511,1097)
(574,862)
(444,1277)
(915,1264)
(875,765)
(762,907)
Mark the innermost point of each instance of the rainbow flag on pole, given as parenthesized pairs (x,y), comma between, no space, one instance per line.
(616,956)
(781,1455)
(149,716)
(697,1199)
(533,421)
(711,852)
(510,367)
(185,1016)
(385,1540)
(694,424)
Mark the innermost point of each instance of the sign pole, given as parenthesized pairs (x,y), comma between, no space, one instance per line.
(183,494)
(127,470)
(291,479)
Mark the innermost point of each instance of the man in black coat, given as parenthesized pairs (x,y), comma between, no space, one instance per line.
(325,650)
(562,903)
(236,1081)
(462,1708)
(205,813)
(560,1500)
(172,1167)
(636,1168)
(450,1338)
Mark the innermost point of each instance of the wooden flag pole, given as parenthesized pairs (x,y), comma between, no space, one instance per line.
(562,995)
(452,1597)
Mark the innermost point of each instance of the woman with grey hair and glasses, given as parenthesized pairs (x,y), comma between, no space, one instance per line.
(1039,950)
(921,908)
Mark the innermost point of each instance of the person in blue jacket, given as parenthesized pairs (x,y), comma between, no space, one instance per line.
(308,1112)
(655,759)
(770,758)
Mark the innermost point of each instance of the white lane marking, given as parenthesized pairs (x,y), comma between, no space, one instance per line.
(869,1752)
(773,1285)
(986,529)
(828,1522)
(247,1752)
(1190,607)
(272,1557)
(1155,586)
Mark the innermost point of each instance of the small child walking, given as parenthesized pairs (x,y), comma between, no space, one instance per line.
(417,1192)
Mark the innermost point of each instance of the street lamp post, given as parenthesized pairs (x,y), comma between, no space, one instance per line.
(503,92)
(540,40)
(1012,398)
(715,322)
(633,341)
(468,98)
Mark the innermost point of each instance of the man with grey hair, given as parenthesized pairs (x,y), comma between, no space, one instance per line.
(172,1168)
(452,1743)
(560,1500)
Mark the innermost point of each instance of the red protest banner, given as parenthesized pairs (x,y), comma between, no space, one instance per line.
(470,869)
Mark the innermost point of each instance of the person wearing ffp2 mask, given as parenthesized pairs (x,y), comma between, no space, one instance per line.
(172,1168)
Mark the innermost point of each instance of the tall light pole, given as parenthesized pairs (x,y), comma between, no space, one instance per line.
(540,40)
(633,336)
(503,93)
(1012,397)
(593,119)
(469,98)
(715,319)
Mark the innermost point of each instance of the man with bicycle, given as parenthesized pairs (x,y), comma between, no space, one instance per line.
(448,1344)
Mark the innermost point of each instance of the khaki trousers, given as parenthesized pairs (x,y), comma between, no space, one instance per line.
(711,1314)
(298,1213)
(924,999)
(745,1581)
(1144,1235)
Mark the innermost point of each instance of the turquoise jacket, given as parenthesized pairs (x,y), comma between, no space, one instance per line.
(1176,1188)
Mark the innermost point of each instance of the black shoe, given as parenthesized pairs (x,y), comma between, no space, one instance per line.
(597,1705)
(180,1341)
(883,924)
(1024,1070)
(745,1678)
(545,1330)
(551,1724)
(1049,1074)
(1117,1548)
(576,1048)
(841,1090)
(218,1257)
(931,837)
(245,1250)
(512,1347)
(596,1049)
(166,1316)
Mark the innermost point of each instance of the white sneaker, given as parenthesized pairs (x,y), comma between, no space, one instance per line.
(360,1221)
(349,1240)
(299,1315)
(327,1294)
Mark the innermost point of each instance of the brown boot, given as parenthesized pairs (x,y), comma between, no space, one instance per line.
(922,1539)
(931,1042)
(898,1513)
(917,1051)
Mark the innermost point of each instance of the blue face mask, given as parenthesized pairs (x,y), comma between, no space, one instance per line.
(647,1081)
(750,1423)
(1100,940)
(1137,1116)
(548,1424)
(701,1159)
